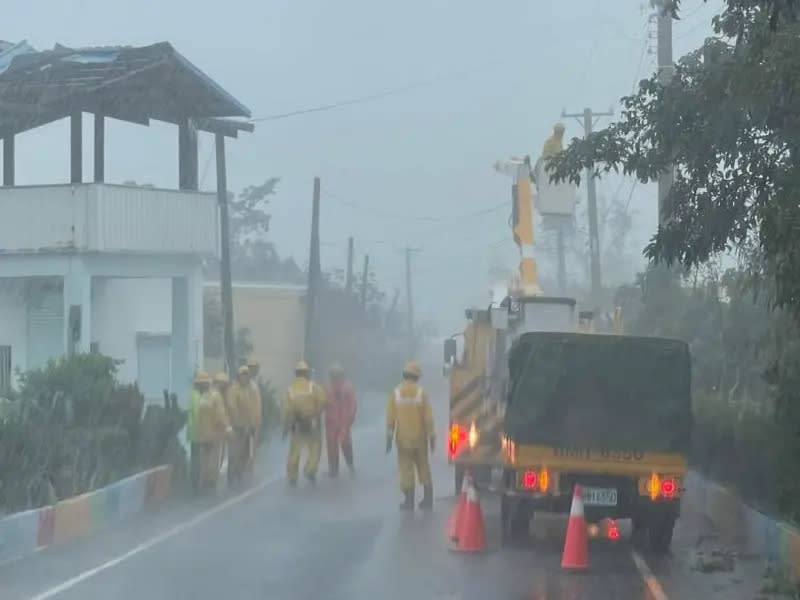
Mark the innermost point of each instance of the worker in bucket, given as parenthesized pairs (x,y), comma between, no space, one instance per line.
(254,396)
(212,427)
(409,421)
(303,405)
(202,381)
(238,405)
(340,412)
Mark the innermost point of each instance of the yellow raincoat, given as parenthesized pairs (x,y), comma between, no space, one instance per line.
(211,427)
(409,419)
(238,405)
(301,416)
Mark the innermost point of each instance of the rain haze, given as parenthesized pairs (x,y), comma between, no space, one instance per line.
(202,395)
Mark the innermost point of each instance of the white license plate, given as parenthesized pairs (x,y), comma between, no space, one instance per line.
(599,496)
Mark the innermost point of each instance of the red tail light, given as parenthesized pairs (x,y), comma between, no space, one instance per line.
(529,479)
(613,531)
(458,436)
(668,487)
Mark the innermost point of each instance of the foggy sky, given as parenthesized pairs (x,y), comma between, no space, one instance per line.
(411,159)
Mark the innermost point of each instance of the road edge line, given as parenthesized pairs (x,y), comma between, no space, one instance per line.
(154,541)
(650,580)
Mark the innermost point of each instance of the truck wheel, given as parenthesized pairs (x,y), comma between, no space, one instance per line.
(459,479)
(520,522)
(659,533)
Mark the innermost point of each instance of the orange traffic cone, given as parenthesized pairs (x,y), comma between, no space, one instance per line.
(458,515)
(576,546)
(471,534)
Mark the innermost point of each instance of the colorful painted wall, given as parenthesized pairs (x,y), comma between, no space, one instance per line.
(27,532)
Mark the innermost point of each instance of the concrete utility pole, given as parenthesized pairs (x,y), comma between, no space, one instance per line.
(312,295)
(364,277)
(665,71)
(226,287)
(587,120)
(349,279)
(410,302)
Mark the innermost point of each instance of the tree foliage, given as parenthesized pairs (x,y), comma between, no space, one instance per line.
(729,121)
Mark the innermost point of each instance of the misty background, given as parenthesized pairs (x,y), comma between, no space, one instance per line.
(412,168)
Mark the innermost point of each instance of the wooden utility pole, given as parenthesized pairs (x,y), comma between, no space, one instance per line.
(349,278)
(226,287)
(410,302)
(587,117)
(312,295)
(364,277)
(665,71)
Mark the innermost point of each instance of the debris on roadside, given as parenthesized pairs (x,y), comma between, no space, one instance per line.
(714,561)
(778,581)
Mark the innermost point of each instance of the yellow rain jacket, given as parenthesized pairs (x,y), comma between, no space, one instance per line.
(238,404)
(552,146)
(254,397)
(212,419)
(303,402)
(409,417)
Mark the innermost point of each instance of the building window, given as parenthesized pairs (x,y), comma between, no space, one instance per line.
(5,368)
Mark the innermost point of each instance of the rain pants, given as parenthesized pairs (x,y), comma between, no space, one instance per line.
(340,412)
(211,426)
(409,419)
(302,411)
(238,405)
(254,424)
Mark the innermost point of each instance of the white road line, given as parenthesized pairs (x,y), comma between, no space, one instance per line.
(650,580)
(180,528)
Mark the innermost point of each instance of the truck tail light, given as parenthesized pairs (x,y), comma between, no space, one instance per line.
(474,436)
(544,480)
(668,487)
(655,486)
(529,479)
(457,436)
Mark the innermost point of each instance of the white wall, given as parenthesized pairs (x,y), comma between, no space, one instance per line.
(123,307)
(13,320)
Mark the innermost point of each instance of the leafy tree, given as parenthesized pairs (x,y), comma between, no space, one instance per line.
(728,121)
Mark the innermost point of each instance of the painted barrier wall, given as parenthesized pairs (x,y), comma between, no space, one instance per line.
(24,533)
(778,542)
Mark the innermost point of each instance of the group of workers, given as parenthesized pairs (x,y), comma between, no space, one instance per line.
(221,413)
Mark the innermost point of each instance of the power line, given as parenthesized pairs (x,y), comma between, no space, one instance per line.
(376,96)
(407,217)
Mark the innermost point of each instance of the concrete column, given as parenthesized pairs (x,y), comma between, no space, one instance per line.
(181,367)
(77,308)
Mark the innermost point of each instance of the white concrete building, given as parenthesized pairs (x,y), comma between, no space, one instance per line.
(93,266)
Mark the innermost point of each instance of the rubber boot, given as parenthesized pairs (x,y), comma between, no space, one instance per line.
(427,499)
(408,502)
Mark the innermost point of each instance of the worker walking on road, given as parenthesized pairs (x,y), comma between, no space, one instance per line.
(254,403)
(238,405)
(340,412)
(212,427)
(202,381)
(302,418)
(409,420)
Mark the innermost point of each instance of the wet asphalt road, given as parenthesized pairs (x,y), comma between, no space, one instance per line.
(342,539)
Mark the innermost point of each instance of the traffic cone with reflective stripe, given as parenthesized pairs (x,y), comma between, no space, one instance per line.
(458,515)
(471,534)
(576,546)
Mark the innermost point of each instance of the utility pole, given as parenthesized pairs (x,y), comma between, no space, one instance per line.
(587,118)
(410,302)
(312,295)
(226,287)
(364,283)
(349,278)
(665,71)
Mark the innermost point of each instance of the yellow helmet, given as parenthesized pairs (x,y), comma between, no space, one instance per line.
(253,361)
(301,366)
(243,370)
(202,377)
(412,368)
(221,377)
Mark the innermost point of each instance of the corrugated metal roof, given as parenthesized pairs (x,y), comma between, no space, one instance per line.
(124,82)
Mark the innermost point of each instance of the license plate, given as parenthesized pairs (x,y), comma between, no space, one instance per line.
(599,496)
